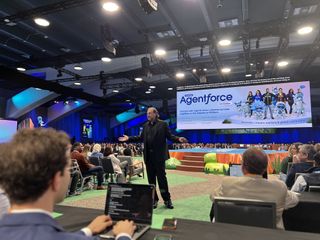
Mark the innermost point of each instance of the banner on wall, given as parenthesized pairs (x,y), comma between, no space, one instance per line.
(274,105)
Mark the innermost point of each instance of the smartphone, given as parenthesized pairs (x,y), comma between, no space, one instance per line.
(169,224)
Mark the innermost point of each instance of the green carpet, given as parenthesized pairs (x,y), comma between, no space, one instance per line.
(173,179)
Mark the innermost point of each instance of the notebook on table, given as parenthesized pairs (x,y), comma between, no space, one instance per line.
(130,201)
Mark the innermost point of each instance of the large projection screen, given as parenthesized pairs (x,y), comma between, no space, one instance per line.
(229,108)
(7,129)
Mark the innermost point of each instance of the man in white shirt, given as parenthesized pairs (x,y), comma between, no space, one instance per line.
(311,178)
(4,203)
(35,173)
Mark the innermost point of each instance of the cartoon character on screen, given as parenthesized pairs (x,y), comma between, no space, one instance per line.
(40,122)
(298,102)
(243,109)
(257,108)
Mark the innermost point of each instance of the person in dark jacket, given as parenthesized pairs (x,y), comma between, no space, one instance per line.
(305,158)
(290,99)
(154,136)
(250,99)
(267,99)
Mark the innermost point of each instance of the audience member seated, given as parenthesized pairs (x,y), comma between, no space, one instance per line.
(293,150)
(305,161)
(119,167)
(4,203)
(35,174)
(312,178)
(135,164)
(87,168)
(86,151)
(253,186)
(96,151)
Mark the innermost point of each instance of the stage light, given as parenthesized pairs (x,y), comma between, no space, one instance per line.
(77,83)
(248,75)
(205,69)
(56,102)
(282,63)
(170,89)
(76,102)
(138,79)
(251,64)
(115,91)
(160,52)
(21,69)
(41,22)
(266,62)
(77,67)
(152,87)
(128,100)
(305,30)
(106,59)
(148,92)
(194,70)
(66,102)
(224,42)
(226,70)
(110,6)
(38,89)
(180,75)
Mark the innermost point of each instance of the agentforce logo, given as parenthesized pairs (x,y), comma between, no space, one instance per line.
(190,99)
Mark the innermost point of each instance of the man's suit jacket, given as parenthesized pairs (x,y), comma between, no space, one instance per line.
(256,187)
(36,226)
(159,146)
(297,168)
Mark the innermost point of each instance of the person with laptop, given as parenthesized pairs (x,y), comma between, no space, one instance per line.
(253,186)
(154,136)
(35,173)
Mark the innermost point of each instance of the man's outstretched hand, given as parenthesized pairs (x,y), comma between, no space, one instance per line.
(183,140)
(124,138)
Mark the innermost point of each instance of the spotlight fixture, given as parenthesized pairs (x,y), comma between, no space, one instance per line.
(41,22)
(205,69)
(66,102)
(110,6)
(251,64)
(39,89)
(180,75)
(76,102)
(248,75)
(138,79)
(266,62)
(115,91)
(305,30)
(170,89)
(194,70)
(77,67)
(128,100)
(226,70)
(21,69)
(56,102)
(160,52)
(106,59)
(148,92)
(77,83)
(224,42)
(152,87)
(282,63)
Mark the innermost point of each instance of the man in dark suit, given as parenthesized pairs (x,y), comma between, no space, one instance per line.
(154,136)
(35,173)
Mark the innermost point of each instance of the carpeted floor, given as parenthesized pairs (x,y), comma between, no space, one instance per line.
(189,192)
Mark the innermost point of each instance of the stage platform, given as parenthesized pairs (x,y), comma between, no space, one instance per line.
(192,158)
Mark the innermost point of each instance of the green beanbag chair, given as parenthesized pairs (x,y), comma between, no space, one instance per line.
(172,163)
(210,158)
(216,168)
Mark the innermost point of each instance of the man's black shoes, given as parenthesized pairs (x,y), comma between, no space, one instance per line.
(168,204)
(155,204)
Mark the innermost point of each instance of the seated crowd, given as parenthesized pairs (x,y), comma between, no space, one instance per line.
(44,157)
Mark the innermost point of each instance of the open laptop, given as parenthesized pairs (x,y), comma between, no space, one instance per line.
(235,170)
(130,201)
